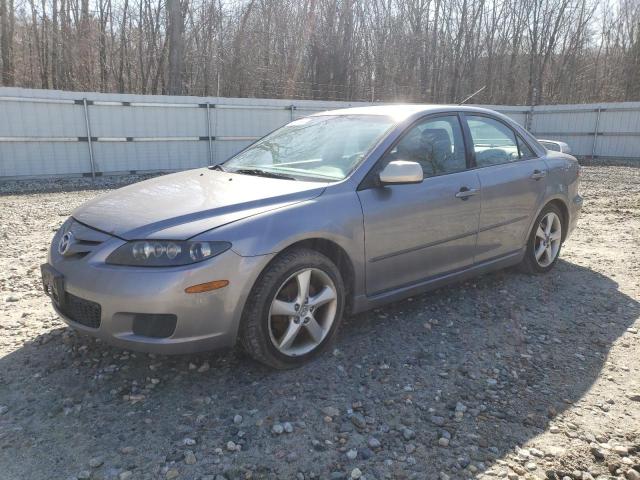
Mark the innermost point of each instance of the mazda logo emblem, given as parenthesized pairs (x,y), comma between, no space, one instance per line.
(65,243)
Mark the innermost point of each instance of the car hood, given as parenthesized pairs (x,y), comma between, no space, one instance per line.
(181,205)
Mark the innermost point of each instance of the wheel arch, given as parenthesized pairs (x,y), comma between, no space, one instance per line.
(562,206)
(338,256)
(332,250)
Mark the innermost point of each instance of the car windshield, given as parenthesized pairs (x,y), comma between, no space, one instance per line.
(320,148)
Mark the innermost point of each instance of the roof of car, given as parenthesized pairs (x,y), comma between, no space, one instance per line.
(401,111)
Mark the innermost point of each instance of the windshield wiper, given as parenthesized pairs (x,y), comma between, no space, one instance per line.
(218,167)
(262,173)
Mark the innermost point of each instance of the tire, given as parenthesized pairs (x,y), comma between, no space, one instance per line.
(549,242)
(280,330)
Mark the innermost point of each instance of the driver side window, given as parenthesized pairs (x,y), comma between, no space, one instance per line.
(493,142)
(436,144)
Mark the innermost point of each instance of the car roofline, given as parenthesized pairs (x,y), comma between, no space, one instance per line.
(400,112)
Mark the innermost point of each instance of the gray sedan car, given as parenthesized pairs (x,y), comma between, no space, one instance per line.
(334,213)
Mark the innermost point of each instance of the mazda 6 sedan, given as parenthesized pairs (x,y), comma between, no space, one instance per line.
(331,214)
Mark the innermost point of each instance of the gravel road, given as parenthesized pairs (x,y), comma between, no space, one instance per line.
(506,376)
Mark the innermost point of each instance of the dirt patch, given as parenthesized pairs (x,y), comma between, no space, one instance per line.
(507,375)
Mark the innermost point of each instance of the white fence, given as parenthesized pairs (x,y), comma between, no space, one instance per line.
(46,132)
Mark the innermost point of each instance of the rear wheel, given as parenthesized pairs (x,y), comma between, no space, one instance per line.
(545,241)
(294,310)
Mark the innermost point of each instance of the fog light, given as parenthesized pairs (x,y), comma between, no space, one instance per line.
(207,287)
(154,324)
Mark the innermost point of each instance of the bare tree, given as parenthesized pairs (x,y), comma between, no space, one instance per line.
(7,21)
(523,51)
(175,33)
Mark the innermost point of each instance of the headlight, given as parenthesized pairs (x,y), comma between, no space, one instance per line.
(162,253)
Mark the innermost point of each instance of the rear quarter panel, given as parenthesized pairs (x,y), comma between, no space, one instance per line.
(562,183)
(563,179)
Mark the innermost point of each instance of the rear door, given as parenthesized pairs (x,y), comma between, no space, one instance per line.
(512,180)
(417,231)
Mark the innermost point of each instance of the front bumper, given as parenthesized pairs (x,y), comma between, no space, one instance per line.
(205,321)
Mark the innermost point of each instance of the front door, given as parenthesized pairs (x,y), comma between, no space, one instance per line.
(513,181)
(417,231)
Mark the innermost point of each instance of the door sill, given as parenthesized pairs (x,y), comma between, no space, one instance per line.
(365,302)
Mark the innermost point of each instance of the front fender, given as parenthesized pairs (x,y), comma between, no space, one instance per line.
(335,215)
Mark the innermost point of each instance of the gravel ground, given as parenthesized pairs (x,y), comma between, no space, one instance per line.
(506,376)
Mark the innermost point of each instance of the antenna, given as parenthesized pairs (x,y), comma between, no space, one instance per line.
(472,95)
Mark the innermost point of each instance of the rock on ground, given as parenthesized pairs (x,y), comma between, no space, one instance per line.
(503,376)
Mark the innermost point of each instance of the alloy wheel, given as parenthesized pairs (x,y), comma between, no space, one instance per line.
(548,239)
(302,312)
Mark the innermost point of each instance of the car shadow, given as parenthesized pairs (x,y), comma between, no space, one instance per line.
(488,363)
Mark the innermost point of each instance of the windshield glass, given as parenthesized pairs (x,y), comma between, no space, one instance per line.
(325,148)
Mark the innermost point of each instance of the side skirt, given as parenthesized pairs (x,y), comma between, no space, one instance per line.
(364,302)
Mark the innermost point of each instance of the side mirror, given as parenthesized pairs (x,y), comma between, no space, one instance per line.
(401,171)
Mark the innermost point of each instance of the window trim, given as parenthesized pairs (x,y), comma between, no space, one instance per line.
(520,140)
(370,181)
(471,148)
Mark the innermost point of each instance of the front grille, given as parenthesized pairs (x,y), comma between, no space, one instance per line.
(84,312)
(85,240)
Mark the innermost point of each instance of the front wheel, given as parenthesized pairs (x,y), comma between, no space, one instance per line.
(545,241)
(294,309)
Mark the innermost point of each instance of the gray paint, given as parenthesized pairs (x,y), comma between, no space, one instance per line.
(399,239)
(190,203)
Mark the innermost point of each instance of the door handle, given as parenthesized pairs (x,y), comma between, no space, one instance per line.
(538,174)
(466,192)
